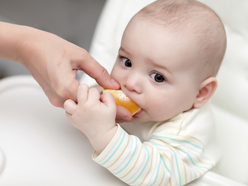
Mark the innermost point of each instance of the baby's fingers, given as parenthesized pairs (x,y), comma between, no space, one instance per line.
(70,106)
(109,100)
(94,96)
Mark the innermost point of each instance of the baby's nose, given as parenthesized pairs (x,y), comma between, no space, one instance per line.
(134,83)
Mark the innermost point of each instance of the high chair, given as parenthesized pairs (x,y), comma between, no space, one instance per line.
(38,145)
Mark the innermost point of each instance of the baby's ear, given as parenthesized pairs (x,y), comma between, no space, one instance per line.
(206,91)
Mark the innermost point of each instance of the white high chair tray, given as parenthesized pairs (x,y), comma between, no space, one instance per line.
(41,147)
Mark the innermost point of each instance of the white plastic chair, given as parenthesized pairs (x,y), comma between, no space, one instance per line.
(40,147)
(231,99)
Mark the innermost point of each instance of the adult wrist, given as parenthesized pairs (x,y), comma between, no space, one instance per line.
(10,36)
(29,43)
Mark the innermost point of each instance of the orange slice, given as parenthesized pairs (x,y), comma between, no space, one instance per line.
(122,100)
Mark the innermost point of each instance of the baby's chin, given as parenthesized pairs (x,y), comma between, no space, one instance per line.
(141,119)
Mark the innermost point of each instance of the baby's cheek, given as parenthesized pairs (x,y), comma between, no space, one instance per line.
(155,106)
(161,109)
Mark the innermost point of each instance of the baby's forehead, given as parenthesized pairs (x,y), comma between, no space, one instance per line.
(199,23)
(181,14)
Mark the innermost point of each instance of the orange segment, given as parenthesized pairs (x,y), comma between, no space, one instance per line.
(122,100)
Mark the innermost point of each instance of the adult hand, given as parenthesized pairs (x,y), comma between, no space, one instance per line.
(51,60)
(54,63)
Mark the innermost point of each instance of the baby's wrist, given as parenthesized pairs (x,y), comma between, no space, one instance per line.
(100,141)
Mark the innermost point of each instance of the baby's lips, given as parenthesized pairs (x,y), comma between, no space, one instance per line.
(122,100)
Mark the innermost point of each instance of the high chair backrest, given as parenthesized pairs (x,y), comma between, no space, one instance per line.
(231,99)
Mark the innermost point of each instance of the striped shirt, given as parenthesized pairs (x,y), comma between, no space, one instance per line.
(174,153)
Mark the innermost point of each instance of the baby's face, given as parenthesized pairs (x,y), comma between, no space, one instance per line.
(157,70)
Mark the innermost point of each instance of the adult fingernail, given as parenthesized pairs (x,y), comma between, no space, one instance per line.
(114,82)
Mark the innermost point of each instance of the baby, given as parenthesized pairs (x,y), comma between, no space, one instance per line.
(169,56)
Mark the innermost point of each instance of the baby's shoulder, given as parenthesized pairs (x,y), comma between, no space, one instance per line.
(194,123)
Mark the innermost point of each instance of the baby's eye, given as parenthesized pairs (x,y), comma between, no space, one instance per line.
(157,77)
(126,62)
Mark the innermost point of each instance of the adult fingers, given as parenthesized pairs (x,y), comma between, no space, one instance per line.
(61,88)
(82,94)
(91,67)
(72,88)
(54,98)
(123,114)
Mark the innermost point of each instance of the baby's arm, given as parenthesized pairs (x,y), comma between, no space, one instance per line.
(163,160)
(95,118)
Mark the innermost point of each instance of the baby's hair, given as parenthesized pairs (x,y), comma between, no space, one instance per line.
(197,19)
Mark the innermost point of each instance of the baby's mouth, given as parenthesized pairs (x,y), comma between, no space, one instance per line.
(138,113)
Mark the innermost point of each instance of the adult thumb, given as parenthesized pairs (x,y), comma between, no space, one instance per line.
(91,67)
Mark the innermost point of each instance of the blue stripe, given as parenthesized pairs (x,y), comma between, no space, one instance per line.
(143,168)
(193,161)
(178,140)
(176,162)
(157,172)
(166,165)
(113,146)
(172,167)
(115,149)
(178,168)
(129,154)
(129,159)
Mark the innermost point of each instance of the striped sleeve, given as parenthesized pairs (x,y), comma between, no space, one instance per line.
(163,160)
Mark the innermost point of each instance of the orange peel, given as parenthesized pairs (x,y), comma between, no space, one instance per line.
(122,100)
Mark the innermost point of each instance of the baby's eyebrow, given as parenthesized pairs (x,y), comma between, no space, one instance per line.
(159,65)
(125,51)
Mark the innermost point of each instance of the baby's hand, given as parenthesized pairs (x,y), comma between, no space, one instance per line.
(95,118)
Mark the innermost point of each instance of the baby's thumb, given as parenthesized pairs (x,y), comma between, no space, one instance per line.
(108,99)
